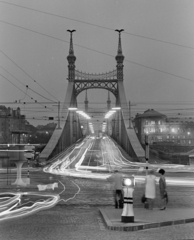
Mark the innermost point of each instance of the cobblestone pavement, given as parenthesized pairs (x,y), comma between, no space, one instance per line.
(73,222)
(78,217)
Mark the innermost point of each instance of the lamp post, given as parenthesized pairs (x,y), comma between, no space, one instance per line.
(7,162)
(29,155)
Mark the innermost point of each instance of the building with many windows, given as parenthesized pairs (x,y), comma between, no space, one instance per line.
(12,126)
(160,129)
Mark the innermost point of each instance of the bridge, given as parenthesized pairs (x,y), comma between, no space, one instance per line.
(120,128)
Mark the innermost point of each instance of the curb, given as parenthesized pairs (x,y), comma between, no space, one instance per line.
(108,223)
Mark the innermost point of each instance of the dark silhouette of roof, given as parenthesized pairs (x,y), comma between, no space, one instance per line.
(151,113)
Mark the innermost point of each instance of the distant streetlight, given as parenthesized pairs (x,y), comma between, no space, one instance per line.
(72,108)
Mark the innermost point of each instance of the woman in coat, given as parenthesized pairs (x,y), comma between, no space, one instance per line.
(150,188)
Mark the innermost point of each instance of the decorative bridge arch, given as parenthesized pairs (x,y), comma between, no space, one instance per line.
(84,81)
(122,130)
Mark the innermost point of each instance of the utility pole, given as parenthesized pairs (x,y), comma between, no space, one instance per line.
(59,115)
(29,154)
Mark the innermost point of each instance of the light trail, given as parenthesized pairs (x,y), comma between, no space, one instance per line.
(74,194)
(171,181)
(112,158)
(12,207)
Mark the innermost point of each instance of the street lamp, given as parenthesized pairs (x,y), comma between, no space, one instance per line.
(72,108)
(116,108)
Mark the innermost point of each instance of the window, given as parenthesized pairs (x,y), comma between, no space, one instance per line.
(159,137)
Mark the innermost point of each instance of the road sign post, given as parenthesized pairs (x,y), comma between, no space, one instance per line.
(146,152)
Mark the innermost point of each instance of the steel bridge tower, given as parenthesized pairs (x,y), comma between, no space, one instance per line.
(122,130)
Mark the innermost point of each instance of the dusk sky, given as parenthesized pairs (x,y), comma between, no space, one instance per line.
(158,45)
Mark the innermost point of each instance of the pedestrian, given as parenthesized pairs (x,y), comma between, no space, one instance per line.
(162,188)
(150,188)
(117,178)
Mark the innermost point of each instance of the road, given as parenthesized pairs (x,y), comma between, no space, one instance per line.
(76,216)
(83,187)
(96,158)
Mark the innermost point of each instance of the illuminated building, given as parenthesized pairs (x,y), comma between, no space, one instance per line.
(161,129)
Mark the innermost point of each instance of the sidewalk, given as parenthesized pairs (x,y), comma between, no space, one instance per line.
(146,219)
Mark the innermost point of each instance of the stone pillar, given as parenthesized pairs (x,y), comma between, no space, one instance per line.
(19,180)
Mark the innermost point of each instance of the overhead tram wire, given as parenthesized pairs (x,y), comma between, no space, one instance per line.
(133,104)
(28,74)
(106,54)
(22,91)
(96,25)
(26,85)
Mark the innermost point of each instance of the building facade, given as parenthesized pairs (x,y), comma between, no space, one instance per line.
(12,126)
(160,129)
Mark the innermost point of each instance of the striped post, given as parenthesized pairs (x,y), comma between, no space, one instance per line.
(146,152)
(128,213)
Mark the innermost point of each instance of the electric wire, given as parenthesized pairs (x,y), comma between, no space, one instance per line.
(21,90)
(24,95)
(26,85)
(106,54)
(27,74)
(96,25)
(133,104)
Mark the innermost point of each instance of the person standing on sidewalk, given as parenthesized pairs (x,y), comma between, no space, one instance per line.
(117,178)
(162,188)
(150,188)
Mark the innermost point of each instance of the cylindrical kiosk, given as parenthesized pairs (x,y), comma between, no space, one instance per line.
(128,188)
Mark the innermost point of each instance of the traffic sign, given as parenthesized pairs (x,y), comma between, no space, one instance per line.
(29,151)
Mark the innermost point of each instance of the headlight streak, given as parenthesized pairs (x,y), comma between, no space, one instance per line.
(63,187)
(79,146)
(54,167)
(138,164)
(118,161)
(90,146)
(77,165)
(74,194)
(63,165)
(14,209)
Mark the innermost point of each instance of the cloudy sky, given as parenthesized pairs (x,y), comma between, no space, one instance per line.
(158,45)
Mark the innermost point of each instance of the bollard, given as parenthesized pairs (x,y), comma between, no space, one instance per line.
(128,188)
